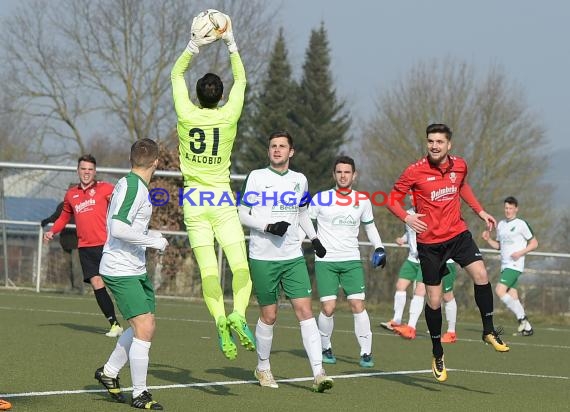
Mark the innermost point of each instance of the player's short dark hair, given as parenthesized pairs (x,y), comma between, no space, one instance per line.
(347,160)
(87,158)
(143,153)
(439,128)
(511,200)
(281,133)
(209,90)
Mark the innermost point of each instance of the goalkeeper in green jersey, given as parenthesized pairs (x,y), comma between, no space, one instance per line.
(206,136)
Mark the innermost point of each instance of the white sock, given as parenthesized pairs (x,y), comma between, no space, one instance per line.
(399,304)
(519,310)
(510,303)
(264,340)
(326,326)
(451,314)
(120,354)
(416,307)
(363,332)
(138,360)
(312,343)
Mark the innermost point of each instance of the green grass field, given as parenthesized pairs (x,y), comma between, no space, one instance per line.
(51,345)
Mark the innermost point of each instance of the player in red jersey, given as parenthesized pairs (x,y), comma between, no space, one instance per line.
(438,183)
(87,202)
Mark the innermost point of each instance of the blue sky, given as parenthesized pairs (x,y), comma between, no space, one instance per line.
(376,42)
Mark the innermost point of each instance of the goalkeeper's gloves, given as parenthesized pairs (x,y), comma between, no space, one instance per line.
(277,229)
(379,257)
(201,33)
(318,247)
(228,36)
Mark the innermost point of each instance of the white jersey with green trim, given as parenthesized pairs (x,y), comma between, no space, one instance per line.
(410,237)
(513,235)
(129,204)
(338,219)
(273,197)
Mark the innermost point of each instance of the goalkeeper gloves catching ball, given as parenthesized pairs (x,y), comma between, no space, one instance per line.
(379,258)
(228,36)
(202,32)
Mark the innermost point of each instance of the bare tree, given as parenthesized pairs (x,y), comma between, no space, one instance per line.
(85,67)
(17,138)
(494,130)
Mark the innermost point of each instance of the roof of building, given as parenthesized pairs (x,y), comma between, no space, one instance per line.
(47,184)
(29,209)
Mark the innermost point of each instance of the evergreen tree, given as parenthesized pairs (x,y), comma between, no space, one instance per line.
(323,123)
(269,111)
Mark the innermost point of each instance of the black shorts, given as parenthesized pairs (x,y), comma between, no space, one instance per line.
(90,257)
(462,249)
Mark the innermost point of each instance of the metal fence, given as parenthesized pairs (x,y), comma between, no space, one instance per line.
(28,262)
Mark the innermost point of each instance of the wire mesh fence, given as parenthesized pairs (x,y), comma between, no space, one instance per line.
(27,262)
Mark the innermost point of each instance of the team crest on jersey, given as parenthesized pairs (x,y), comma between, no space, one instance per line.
(297,187)
(452,177)
(92,192)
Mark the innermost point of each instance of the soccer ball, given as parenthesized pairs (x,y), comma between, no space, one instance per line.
(210,23)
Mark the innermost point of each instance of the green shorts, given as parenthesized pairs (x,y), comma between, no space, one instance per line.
(204,220)
(134,295)
(411,271)
(331,275)
(449,279)
(510,278)
(291,274)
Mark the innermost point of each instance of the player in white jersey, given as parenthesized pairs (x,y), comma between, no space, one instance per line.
(514,239)
(339,212)
(123,268)
(274,207)
(411,273)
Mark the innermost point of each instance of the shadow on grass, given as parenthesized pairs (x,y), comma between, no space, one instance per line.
(182,376)
(428,384)
(233,372)
(78,327)
(168,373)
(63,403)
(300,353)
(247,375)
(103,399)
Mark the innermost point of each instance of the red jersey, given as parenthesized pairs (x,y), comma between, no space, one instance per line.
(437,193)
(89,207)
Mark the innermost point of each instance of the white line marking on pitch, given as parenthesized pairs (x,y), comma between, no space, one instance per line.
(303,379)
